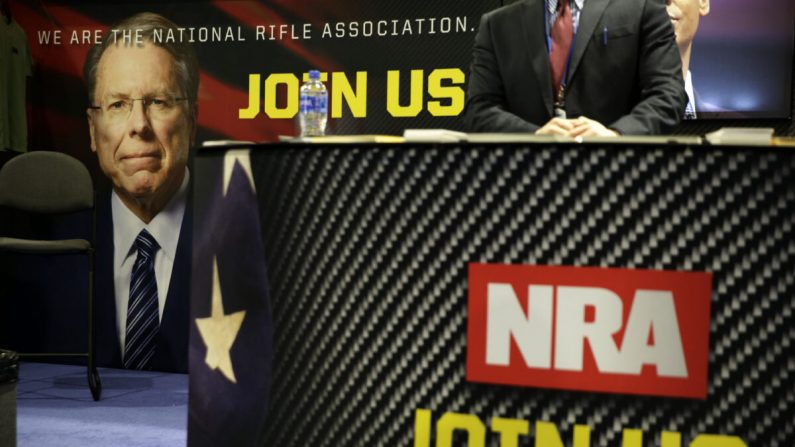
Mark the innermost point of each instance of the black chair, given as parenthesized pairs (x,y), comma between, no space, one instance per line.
(52,183)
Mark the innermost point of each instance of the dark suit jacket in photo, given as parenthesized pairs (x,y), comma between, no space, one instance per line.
(171,353)
(625,70)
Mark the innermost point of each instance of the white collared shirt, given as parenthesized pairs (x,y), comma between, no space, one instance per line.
(552,13)
(165,228)
(691,97)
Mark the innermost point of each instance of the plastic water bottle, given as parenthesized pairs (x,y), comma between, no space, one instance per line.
(313,106)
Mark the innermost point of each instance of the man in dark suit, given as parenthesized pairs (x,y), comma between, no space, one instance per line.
(619,69)
(142,119)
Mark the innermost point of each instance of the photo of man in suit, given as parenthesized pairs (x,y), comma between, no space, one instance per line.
(684,15)
(142,121)
(578,68)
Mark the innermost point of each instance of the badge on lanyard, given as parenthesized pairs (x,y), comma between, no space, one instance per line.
(560,103)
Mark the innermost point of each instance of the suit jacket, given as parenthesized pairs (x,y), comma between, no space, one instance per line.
(171,353)
(625,70)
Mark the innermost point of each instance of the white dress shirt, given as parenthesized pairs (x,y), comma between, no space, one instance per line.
(165,228)
(691,96)
(552,14)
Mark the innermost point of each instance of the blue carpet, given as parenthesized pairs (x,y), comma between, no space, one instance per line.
(55,408)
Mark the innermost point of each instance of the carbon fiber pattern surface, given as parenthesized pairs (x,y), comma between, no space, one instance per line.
(367,251)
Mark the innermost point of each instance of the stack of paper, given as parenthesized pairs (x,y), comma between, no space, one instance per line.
(216,143)
(741,136)
(334,139)
(433,136)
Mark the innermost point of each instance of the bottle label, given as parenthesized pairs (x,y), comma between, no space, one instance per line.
(313,104)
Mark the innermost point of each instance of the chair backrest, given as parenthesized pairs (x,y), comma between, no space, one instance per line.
(46,182)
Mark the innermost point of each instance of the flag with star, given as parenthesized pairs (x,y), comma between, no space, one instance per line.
(231,324)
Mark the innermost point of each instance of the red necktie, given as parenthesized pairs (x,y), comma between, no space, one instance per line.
(560,37)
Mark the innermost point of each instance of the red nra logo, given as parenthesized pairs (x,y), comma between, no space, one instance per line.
(590,329)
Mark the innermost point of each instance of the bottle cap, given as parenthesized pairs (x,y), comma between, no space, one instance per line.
(314,74)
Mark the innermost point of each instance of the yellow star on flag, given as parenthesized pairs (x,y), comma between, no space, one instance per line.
(219,331)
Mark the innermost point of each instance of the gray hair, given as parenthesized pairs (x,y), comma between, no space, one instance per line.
(186,66)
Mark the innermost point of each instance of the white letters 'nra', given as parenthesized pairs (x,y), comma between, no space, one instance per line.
(652,312)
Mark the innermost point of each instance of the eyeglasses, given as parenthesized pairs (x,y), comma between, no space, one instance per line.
(157,107)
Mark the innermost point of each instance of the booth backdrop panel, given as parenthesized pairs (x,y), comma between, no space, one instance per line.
(367,251)
(240,38)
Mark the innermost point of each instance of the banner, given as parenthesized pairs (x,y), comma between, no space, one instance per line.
(388,65)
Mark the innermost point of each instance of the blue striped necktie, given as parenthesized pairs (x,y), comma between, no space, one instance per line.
(142,310)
